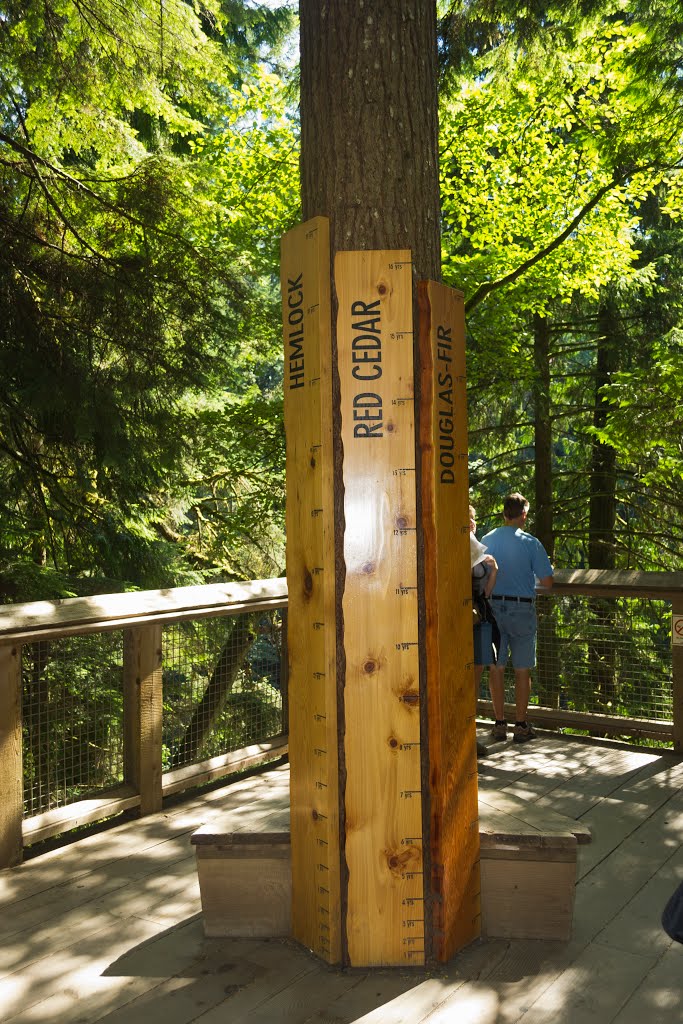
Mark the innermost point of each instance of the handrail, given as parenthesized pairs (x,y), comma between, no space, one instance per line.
(49,620)
(667,586)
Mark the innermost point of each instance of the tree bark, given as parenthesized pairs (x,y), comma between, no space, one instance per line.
(603,505)
(209,708)
(548,668)
(543,511)
(369,125)
(602,513)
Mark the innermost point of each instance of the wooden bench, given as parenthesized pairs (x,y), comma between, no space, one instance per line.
(528,868)
(528,874)
(245,882)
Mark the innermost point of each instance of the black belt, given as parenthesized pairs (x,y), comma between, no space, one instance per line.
(509,597)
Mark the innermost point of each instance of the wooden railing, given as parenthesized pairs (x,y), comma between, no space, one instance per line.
(602,590)
(142,618)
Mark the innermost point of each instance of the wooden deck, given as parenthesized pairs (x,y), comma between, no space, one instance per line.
(109,928)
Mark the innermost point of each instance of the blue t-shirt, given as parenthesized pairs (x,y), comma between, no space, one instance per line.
(521,560)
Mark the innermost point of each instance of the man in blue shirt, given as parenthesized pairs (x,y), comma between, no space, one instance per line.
(522,560)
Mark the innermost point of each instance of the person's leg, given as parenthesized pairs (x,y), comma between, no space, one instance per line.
(497,688)
(497,683)
(522,693)
(522,640)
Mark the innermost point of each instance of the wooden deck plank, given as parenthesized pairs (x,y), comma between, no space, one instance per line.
(141,970)
(657,1000)
(252,801)
(610,886)
(182,999)
(370,991)
(414,1005)
(104,886)
(532,816)
(638,925)
(593,989)
(309,993)
(77,971)
(613,819)
(145,958)
(285,964)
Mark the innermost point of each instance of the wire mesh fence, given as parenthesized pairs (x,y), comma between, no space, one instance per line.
(222,690)
(602,656)
(222,686)
(72,703)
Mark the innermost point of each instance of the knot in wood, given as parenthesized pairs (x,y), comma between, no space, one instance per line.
(308,583)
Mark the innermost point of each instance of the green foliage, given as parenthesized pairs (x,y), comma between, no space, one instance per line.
(646,421)
(148,167)
(561,191)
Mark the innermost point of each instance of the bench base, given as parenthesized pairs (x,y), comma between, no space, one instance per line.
(245,884)
(528,877)
(527,892)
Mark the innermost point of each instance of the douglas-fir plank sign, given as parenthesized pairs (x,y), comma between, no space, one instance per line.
(453,798)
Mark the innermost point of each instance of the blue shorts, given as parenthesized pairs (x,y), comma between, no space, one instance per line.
(517,624)
(483,644)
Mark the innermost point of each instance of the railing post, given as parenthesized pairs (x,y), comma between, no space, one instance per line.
(677,681)
(11,768)
(284,671)
(143,704)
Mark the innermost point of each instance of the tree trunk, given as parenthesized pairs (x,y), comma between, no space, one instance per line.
(209,708)
(369,163)
(602,513)
(543,510)
(602,510)
(369,125)
(548,668)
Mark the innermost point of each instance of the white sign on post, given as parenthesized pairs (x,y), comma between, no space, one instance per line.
(677,629)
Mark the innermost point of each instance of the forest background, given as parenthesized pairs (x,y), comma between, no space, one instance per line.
(149,164)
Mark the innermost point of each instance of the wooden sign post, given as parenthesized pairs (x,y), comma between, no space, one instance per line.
(382,742)
(313,741)
(454,813)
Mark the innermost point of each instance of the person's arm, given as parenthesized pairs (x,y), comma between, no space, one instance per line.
(492,573)
(542,564)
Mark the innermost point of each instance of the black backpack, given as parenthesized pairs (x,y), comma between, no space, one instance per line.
(672,918)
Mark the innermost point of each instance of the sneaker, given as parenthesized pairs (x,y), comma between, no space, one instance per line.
(499,730)
(481,749)
(523,732)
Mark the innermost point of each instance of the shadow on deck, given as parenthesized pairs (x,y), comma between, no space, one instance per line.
(109,928)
